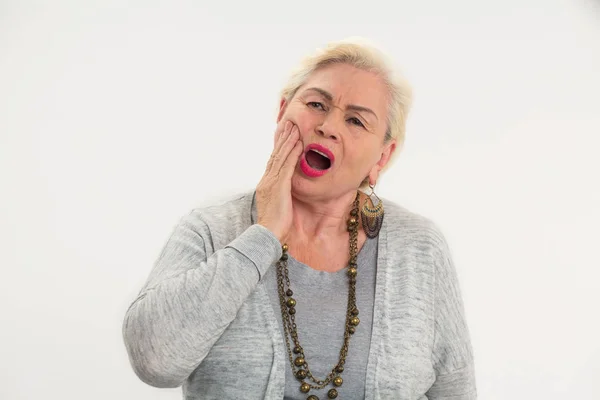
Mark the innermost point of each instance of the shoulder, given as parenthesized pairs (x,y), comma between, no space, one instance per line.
(226,206)
(408,232)
(229,214)
(403,223)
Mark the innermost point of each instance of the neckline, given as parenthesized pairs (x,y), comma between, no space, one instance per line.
(360,257)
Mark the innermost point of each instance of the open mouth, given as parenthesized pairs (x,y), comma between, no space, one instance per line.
(318,160)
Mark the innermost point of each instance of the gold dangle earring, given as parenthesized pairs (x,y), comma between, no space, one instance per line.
(372,215)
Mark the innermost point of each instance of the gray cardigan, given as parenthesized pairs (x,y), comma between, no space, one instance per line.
(204,320)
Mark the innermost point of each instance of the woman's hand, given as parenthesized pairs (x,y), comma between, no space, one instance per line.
(274,191)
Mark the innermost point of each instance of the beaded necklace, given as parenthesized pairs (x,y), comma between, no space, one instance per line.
(298,362)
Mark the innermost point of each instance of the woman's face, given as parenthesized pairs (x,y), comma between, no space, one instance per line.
(341,112)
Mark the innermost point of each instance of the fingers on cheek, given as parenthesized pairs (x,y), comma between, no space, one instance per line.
(285,129)
(280,131)
(294,131)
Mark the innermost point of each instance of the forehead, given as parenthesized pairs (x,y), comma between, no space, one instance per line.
(350,85)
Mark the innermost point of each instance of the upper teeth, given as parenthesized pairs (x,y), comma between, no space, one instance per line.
(321,153)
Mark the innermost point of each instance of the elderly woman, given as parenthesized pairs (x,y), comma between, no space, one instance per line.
(304,288)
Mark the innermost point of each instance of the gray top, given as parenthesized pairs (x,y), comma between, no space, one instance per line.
(322,301)
(204,320)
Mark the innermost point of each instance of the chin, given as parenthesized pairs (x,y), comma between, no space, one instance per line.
(304,187)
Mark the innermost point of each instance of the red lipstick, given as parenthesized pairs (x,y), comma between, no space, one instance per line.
(314,172)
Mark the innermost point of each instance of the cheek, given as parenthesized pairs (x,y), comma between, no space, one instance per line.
(306,121)
(362,160)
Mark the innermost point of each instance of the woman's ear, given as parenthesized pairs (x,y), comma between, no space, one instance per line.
(386,154)
(388,150)
(282,107)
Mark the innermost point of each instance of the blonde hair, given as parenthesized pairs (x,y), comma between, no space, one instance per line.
(361,54)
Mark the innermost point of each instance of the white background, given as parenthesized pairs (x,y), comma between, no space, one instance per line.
(115,121)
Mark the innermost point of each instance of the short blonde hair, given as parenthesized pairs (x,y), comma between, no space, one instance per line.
(364,55)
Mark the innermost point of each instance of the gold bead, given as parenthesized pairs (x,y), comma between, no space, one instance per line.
(352,271)
(354,321)
(305,387)
(352,330)
(297,350)
(285,247)
(337,381)
(301,374)
(352,221)
(291,302)
(355,311)
(299,361)
(332,394)
(312,397)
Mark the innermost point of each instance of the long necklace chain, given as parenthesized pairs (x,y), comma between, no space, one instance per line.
(298,362)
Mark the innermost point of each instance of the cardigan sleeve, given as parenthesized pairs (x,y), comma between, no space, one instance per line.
(452,354)
(190,297)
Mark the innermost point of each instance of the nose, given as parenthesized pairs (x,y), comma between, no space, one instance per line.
(330,127)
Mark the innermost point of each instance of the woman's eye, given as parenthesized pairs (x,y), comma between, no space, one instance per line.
(315,104)
(356,122)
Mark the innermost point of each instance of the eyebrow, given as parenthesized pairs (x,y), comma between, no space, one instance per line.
(329,98)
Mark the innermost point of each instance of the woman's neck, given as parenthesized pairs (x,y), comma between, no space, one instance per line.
(316,221)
